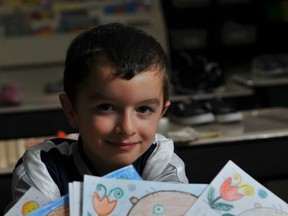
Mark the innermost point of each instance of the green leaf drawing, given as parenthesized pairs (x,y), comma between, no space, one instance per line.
(223,206)
(210,197)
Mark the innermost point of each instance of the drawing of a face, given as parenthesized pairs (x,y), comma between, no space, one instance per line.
(162,203)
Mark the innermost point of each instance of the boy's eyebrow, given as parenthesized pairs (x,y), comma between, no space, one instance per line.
(98,96)
(152,101)
(102,96)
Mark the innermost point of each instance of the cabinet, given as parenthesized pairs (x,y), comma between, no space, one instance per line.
(229,31)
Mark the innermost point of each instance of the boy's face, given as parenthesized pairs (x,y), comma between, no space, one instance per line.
(117,118)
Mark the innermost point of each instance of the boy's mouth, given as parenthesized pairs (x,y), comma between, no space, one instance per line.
(124,146)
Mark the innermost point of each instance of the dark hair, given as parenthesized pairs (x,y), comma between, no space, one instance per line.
(128,49)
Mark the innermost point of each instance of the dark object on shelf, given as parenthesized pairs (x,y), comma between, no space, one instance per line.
(10,94)
(196,74)
(224,112)
(270,65)
(190,112)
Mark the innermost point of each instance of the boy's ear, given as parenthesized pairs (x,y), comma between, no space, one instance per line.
(165,108)
(68,109)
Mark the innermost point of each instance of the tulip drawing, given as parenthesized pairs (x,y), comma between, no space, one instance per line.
(105,204)
(229,191)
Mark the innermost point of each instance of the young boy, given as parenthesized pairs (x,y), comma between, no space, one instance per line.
(116,91)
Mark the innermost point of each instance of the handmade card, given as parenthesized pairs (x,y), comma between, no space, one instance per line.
(133,197)
(59,207)
(75,188)
(233,192)
(30,201)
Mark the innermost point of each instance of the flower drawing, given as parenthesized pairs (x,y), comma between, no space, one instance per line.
(231,189)
(230,192)
(104,204)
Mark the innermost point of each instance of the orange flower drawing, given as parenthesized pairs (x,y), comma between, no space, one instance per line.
(229,191)
(103,206)
(105,203)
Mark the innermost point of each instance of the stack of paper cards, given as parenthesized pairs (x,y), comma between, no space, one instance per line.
(117,196)
(76,188)
(121,197)
(122,193)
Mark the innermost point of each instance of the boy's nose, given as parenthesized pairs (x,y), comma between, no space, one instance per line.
(126,125)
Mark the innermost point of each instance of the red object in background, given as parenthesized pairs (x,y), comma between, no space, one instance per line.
(61,134)
(10,94)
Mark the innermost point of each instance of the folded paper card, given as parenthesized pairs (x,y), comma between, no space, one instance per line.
(233,192)
(30,201)
(75,188)
(132,197)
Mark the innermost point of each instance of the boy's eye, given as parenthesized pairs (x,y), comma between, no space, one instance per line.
(145,110)
(105,107)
